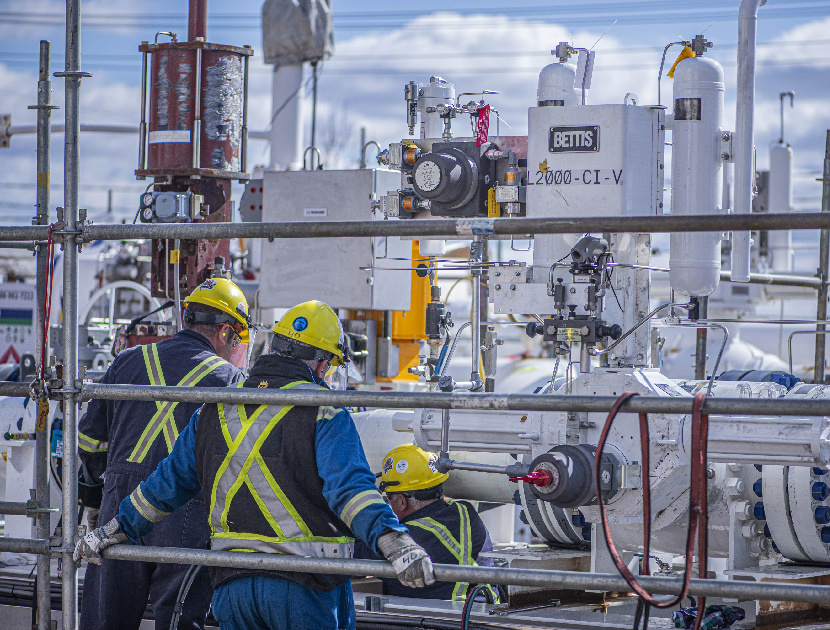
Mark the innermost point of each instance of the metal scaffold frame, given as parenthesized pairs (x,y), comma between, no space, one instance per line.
(72,232)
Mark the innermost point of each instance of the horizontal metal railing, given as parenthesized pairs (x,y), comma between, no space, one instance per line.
(461,228)
(441,400)
(572,580)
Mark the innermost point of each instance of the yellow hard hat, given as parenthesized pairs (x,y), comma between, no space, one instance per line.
(224,295)
(408,467)
(315,324)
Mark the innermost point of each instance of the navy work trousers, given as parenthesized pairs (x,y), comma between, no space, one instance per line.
(116,593)
(261,601)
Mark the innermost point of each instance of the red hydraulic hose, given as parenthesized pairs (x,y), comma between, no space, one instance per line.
(698,516)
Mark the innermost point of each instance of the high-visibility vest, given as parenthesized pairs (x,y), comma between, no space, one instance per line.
(163,421)
(306,528)
(461,548)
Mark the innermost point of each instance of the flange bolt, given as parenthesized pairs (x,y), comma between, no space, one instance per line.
(825,535)
(820,491)
(758,488)
(758,511)
(822,515)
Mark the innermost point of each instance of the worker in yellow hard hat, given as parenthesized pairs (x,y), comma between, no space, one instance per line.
(128,438)
(277,479)
(451,531)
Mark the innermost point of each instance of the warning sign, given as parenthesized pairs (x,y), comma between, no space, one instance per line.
(17,321)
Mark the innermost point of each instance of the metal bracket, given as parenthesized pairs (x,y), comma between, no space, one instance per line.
(5,125)
(72,74)
(726,153)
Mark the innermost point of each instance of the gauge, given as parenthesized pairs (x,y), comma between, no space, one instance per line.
(427,175)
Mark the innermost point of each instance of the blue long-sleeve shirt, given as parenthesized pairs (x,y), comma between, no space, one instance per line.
(341,465)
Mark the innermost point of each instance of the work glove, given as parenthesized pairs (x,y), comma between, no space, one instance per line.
(89,547)
(408,558)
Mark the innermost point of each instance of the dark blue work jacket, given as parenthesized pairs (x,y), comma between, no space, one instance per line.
(441,528)
(133,436)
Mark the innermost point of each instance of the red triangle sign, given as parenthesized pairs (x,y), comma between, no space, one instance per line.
(10,353)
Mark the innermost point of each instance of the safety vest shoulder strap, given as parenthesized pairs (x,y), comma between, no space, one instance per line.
(163,421)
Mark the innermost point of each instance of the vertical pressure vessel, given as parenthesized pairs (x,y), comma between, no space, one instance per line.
(437,92)
(697,175)
(781,200)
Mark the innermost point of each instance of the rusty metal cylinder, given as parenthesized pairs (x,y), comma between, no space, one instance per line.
(196,109)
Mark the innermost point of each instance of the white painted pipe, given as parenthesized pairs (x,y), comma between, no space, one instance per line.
(743,145)
(287,124)
(781,200)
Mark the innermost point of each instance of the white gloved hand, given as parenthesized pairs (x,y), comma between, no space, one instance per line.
(89,547)
(408,558)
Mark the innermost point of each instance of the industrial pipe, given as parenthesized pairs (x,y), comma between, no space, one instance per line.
(455,400)
(743,138)
(196,20)
(572,580)
(823,268)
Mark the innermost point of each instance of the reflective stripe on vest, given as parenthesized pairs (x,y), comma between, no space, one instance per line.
(244,465)
(460,550)
(162,420)
(322,548)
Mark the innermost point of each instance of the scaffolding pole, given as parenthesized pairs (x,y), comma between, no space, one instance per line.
(440,228)
(455,400)
(42,494)
(71,183)
(571,580)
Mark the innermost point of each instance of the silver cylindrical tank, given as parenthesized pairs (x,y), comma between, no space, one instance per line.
(697,175)
(436,92)
(556,86)
(781,200)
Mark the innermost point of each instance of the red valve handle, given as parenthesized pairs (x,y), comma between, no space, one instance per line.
(539,477)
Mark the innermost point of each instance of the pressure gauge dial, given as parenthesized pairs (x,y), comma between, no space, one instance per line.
(427,176)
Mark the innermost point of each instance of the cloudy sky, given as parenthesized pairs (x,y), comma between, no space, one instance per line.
(380,46)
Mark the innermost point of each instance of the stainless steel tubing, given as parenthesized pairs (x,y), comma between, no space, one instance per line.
(740,590)
(71,182)
(42,490)
(778,279)
(13,508)
(455,400)
(516,470)
(26,545)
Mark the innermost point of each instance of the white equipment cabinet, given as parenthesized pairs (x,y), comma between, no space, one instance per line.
(344,272)
(594,160)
